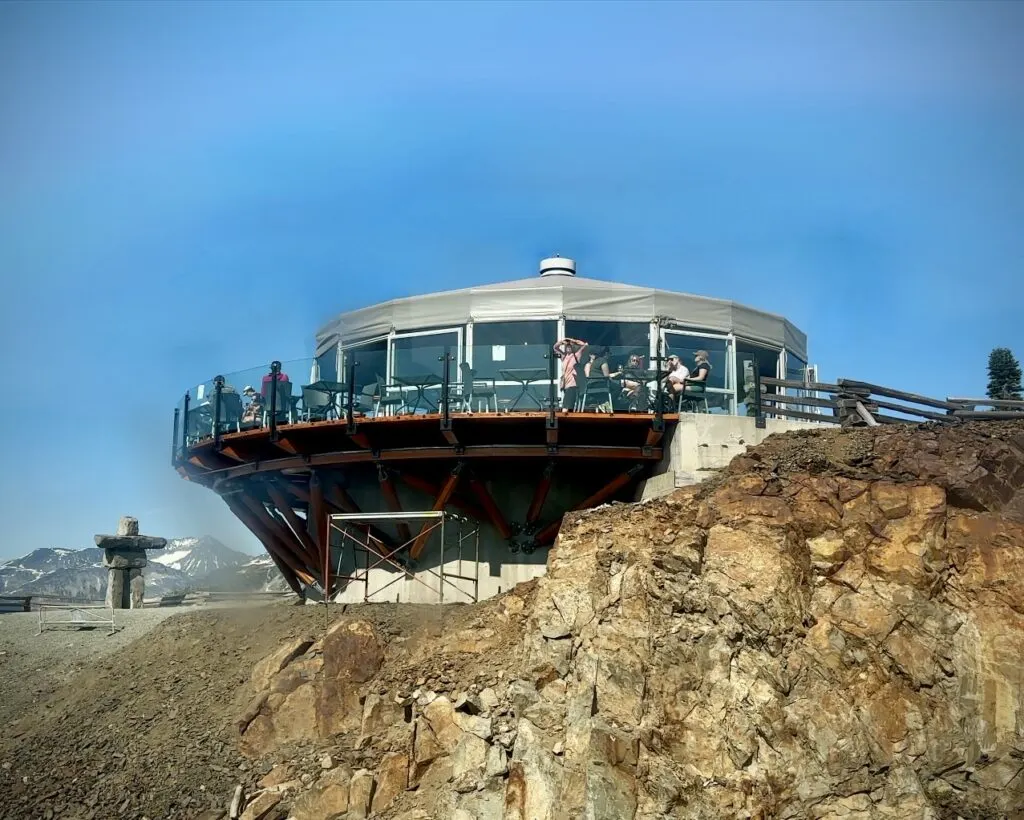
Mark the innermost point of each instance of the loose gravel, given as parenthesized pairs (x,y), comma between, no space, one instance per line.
(33,665)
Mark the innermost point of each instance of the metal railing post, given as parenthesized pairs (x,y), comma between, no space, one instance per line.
(184,428)
(174,438)
(275,369)
(659,388)
(759,421)
(550,356)
(446,422)
(349,416)
(218,387)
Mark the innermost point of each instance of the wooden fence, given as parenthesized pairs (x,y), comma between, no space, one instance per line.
(853,403)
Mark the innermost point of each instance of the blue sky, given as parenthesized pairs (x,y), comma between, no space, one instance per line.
(193,188)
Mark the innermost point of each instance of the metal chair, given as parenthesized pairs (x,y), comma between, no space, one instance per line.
(472,389)
(230,411)
(694,396)
(387,396)
(316,403)
(593,389)
(285,401)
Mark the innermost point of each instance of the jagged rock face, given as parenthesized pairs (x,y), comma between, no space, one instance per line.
(833,629)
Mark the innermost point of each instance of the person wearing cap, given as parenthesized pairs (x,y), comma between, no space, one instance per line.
(253,412)
(678,373)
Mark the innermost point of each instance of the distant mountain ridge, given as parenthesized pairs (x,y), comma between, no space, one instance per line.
(185,564)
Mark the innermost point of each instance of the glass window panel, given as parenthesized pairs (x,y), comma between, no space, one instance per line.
(328,365)
(686,346)
(371,362)
(749,357)
(416,356)
(796,368)
(615,340)
(501,346)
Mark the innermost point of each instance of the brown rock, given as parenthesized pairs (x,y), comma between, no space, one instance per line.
(281,773)
(392,779)
(328,798)
(265,670)
(118,589)
(352,656)
(260,806)
(360,794)
(138,587)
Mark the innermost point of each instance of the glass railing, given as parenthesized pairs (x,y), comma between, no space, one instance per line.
(291,392)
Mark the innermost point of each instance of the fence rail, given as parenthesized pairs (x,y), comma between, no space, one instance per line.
(856,403)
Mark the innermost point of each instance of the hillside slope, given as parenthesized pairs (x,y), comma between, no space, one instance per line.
(832,628)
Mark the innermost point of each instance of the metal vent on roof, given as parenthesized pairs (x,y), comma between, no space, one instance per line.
(557,266)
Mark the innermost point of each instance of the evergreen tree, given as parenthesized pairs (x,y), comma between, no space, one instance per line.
(1003,375)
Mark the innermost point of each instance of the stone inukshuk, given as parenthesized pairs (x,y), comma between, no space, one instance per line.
(124,555)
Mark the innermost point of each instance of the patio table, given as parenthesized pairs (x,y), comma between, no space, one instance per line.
(420,382)
(525,376)
(334,389)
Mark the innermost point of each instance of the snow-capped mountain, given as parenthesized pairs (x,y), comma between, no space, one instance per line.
(197,557)
(185,564)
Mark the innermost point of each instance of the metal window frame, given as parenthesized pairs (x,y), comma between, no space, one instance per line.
(779,359)
(394,336)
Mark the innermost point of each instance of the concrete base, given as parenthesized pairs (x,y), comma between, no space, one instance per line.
(701,444)
(425,586)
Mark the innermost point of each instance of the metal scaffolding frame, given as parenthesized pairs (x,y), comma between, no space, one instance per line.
(356,530)
(75,615)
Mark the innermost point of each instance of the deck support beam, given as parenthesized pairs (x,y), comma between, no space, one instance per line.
(318,527)
(494,514)
(390,493)
(288,543)
(550,532)
(424,486)
(443,496)
(298,526)
(540,494)
(339,499)
(282,566)
(254,515)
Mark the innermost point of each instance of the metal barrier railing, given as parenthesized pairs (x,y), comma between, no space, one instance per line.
(80,616)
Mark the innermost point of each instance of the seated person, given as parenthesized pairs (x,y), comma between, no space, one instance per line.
(633,385)
(253,412)
(597,367)
(265,384)
(697,381)
(675,381)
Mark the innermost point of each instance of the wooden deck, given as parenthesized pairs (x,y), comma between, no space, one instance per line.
(303,445)
(285,484)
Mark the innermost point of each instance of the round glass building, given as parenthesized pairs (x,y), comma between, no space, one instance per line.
(435,448)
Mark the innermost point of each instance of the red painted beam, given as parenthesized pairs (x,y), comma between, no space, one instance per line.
(390,493)
(493,513)
(439,504)
(297,525)
(540,494)
(550,532)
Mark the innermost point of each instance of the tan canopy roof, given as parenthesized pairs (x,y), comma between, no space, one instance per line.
(553,296)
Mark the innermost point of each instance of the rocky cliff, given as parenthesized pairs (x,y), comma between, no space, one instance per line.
(832,628)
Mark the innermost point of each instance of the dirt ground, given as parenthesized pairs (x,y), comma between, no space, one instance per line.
(145,728)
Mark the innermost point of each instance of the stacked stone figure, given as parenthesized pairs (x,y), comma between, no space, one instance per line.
(124,555)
